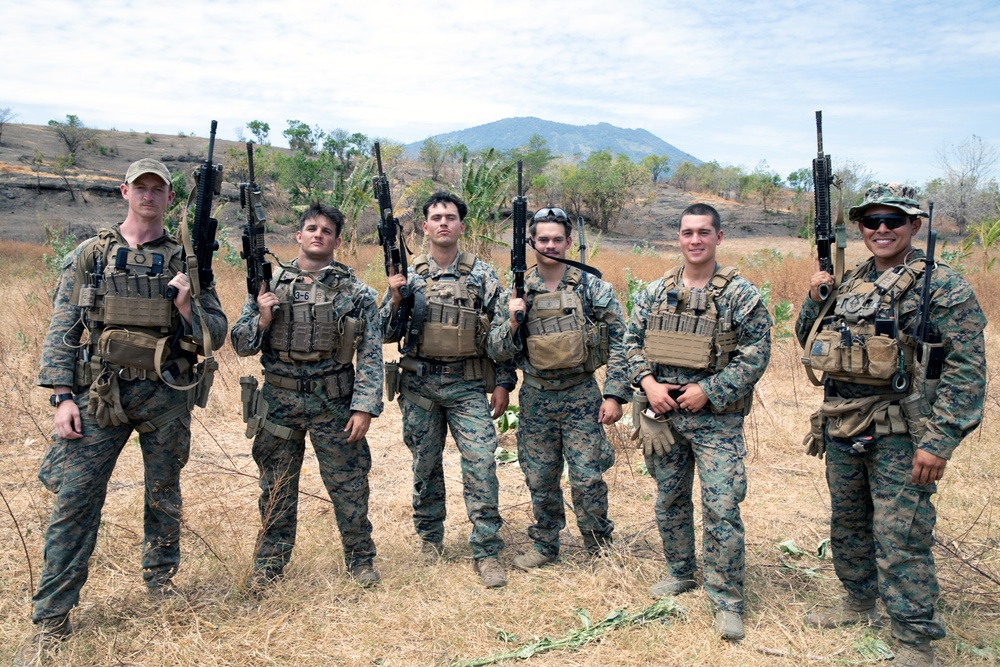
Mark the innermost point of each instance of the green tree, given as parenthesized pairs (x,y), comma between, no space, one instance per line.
(609,183)
(61,166)
(535,156)
(656,165)
(801,180)
(485,182)
(433,154)
(72,132)
(260,131)
(303,138)
(763,184)
(683,176)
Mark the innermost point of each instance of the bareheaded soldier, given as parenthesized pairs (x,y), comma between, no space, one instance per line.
(443,381)
(697,342)
(572,325)
(896,405)
(135,370)
(308,325)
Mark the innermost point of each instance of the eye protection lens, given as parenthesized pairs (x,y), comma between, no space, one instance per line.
(873,222)
(550,215)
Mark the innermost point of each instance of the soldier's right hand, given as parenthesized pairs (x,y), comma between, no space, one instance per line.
(513,308)
(67,421)
(266,303)
(396,281)
(817,279)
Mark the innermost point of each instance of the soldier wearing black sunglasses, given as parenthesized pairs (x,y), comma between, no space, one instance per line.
(882,463)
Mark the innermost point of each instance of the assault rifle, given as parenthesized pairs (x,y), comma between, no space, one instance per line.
(254,251)
(928,337)
(410,317)
(581,237)
(518,259)
(823,224)
(200,239)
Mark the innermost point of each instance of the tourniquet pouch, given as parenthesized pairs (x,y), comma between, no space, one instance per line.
(133,349)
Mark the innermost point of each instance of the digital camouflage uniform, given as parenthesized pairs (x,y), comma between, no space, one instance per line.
(459,405)
(78,471)
(343,466)
(558,420)
(881,526)
(711,442)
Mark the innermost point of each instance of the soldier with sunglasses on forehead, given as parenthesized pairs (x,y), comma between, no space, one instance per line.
(881,465)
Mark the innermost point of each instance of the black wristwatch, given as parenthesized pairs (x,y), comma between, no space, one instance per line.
(56,399)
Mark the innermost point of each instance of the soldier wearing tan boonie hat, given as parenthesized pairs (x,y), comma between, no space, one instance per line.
(897,195)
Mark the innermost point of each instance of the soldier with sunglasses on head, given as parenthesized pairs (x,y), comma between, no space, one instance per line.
(882,463)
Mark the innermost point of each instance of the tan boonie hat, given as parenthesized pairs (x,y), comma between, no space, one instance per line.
(147,166)
(903,197)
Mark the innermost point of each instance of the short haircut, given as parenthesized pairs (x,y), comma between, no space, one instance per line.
(702,209)
(319,209)
(442,197)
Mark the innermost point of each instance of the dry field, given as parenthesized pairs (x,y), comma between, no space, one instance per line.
(436,615)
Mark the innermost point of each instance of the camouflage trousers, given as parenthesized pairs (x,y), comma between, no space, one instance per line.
(343,467)
(78,471)
(558,426)
(882,530)
(459,405)
(713,444)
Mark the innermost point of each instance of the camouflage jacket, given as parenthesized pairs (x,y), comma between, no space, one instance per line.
(599,305)
(747,364)
(958,408)
(482,282)
(62,342)
(248,340)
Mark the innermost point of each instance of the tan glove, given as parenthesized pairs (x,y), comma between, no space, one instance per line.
(814,441)
(653,435)
(105,402)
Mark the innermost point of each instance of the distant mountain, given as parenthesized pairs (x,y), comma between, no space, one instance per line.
(570,141)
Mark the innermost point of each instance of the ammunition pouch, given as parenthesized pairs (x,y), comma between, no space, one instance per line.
(871,360)
(450,331)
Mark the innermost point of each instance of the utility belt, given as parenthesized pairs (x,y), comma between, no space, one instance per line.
(558,384)
(336,385)
(853,423)
(472,369)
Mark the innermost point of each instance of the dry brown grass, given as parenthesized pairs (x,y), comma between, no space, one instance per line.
(429,615)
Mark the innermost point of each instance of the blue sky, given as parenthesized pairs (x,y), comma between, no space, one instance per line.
(736,82)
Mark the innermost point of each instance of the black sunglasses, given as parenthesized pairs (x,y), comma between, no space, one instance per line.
(550,214)
(892,221)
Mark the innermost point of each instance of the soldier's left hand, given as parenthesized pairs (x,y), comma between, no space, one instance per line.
(183,299)
(692,397)
(499,400)
(610,412)
(927,467)
(358,425)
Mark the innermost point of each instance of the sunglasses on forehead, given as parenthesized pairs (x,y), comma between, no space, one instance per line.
(891,221)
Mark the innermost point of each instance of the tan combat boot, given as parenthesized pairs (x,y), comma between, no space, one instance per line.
(531,559)
(364,574)
(915,655)
(671,586)
(431,552)
(49,633)
(850,611)
(490,572)
(729,625)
